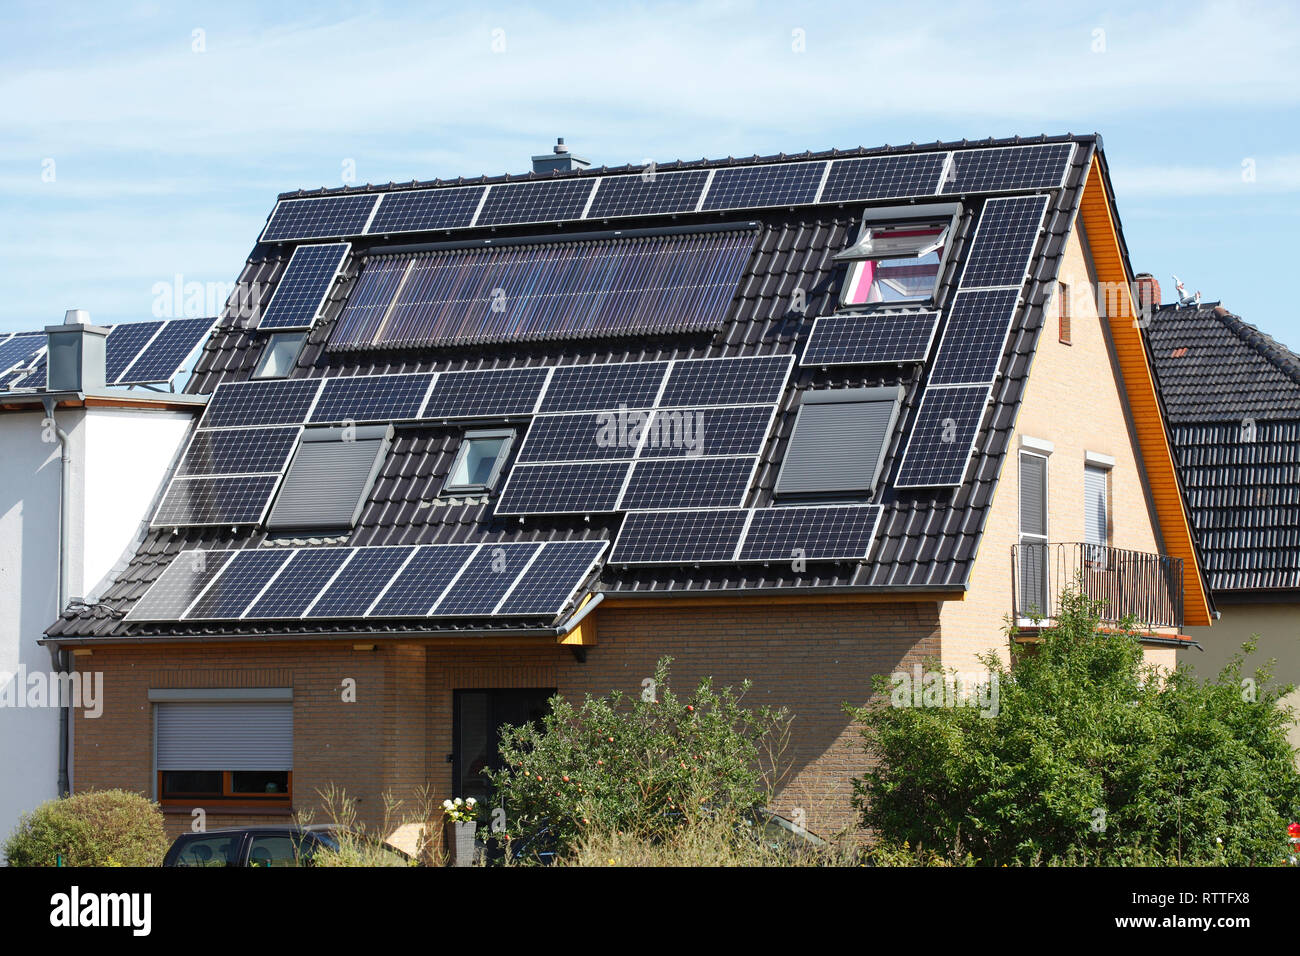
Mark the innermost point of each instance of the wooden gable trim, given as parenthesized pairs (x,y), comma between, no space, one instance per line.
(1140,386)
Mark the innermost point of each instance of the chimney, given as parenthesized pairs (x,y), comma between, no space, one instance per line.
(1148,293)
(559,160)
(75,354)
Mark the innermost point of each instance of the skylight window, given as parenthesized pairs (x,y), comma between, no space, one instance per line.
(898,257)
(479,460)
(280,354)
(840,440)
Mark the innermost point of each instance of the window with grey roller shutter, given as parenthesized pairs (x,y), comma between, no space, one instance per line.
(1033,552)
(840,440)
(1096,505)
(1033,491)
(225,735)
(329,479)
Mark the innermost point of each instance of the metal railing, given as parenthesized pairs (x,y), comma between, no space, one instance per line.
(1147,587)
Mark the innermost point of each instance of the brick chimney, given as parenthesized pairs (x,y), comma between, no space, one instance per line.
(1148,292)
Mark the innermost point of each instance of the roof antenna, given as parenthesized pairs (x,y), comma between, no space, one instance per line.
(1183,297)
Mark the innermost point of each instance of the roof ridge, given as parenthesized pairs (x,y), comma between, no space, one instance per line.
(1270,348)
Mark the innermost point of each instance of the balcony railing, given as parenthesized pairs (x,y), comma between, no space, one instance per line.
(1147,587)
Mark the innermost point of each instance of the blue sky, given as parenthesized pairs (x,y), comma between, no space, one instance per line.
(143,144)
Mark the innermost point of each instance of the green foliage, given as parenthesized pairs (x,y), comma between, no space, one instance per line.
(1092,757)
(634,766)
(95,828)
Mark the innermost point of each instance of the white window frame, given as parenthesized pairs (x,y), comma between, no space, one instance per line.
(259,371)
(864,250)
(502,456)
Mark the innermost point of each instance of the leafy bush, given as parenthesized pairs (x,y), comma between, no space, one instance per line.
(1092,757)
(95,828)
(642,767)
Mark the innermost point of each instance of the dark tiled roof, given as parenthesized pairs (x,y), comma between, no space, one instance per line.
(926,539)
(1232,395)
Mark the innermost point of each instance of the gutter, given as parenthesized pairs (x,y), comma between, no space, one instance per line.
(58,656)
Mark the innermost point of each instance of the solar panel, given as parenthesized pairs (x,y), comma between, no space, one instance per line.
(306,574)
(587,487)
(748,187)
(537,201)
(546,587)
(636,195)
(302,289)
(224,500)
(239,451)
(35,377)
(167,353)
(371,398)
(943,436)
(281,402)
(360,581)
(832,532)
(319,217)
(488,393)
(688,482)
(123,344)
(727,381)
(418,210)
(674,432)
(238,584)
(584,436)
(671,537)
(487,578)
(868,338)
(179,584)
(421,583)
(1004,242)
(576,388)
(883,177)
(974,338)
(21,350)
(1008,167)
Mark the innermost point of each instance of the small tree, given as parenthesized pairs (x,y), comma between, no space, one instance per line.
(95,828)
(643,766)
(1091,756)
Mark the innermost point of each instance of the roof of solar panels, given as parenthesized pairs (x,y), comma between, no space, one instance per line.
(644,295)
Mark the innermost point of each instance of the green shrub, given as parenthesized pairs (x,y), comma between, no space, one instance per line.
(1092,757)
(633,766)
(95,828)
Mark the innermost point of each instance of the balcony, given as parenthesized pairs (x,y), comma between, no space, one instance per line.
(1146,587)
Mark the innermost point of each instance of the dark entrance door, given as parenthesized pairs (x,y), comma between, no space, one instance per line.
(479,715)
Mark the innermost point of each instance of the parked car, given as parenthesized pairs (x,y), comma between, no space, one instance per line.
(288,845)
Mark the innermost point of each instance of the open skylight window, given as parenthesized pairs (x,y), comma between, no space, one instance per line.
(899,256)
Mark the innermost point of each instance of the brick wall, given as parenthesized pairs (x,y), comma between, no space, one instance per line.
(395,737)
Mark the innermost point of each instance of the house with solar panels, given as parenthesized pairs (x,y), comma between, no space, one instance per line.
(1232,398)
(90,425)
(798,419)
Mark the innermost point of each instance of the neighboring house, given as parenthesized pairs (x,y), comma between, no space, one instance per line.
(82,454)
(421,499)
(1232,397)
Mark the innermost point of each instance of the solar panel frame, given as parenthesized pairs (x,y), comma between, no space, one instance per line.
(871,338)
(167,352)
(680,536)
(893,176)
(360,582)
(272,402)
(304,286)
(388,397)
(604,386)
(1002,249)
(216,500)
(755,187)
(726,381)
(180,573)
(238,451)
(548,584)
(580,436)
(979,322)
(534,201)
(929,461)
(423,580)
(634,195)
(835,533)
(565,488)
(241,581)
(481,587)
(124,343)
(319,217)
(487,393)
(659,483)
(425,210)
(307,573)
(1009,168)
(718,431)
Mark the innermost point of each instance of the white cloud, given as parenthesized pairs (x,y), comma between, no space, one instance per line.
(1251,176)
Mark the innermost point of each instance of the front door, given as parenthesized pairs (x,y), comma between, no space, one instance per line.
(479,716)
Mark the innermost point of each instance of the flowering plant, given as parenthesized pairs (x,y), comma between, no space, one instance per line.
(461,811)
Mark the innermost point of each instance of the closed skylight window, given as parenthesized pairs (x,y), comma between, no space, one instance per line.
(479,460)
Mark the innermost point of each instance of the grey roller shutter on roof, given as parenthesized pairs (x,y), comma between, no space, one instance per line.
(1095,505)
(225,735)
(839,442)
(329,479)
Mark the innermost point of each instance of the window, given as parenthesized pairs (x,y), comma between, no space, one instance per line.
(840,440)
(224,749)
(477,719)
(279,354)
(329,479)
(1063,312)
(1033,535)
(898,257)
(479,460)
(1096,512)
